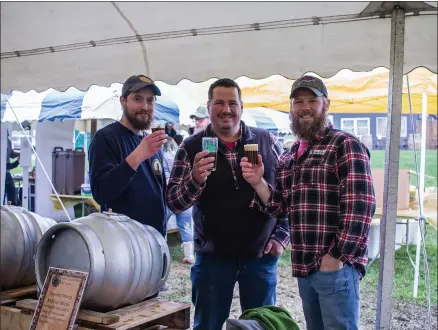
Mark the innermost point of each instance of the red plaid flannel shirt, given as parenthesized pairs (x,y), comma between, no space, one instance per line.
(328,195)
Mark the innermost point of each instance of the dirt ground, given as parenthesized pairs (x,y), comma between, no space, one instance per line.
(405,315)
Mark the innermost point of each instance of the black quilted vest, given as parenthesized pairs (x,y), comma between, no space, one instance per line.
(224,223)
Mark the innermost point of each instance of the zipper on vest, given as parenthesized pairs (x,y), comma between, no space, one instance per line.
(236,182)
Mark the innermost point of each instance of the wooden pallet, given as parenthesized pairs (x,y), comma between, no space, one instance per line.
(152,314)
(9,297)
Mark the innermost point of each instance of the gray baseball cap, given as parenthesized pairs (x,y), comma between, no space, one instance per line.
(201,112)
(135,83)
(316,85)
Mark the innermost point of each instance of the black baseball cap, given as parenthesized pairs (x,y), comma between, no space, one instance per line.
(316,85)
(135,83)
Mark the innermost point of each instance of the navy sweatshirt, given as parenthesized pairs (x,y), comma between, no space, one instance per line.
(115,185)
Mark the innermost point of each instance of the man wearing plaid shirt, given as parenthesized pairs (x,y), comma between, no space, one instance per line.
(235,240)
(324,185)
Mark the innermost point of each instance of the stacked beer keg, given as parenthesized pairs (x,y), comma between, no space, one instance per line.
(126,261)
(21,231)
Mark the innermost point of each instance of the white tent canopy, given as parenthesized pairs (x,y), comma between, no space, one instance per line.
(62,44)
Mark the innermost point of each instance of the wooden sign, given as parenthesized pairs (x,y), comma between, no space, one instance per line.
(60,299)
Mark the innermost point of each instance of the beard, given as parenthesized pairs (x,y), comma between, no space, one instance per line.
(308,130)
(140,120)
(197,130)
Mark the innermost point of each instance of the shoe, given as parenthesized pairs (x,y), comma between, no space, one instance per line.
(189,261)
(165,287)
(189,257)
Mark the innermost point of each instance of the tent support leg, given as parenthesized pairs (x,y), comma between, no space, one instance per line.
(392,160)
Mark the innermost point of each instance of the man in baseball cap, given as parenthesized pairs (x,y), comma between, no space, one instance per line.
(329,198)
(201,119)
(307,120)
(126,163)
(138,82)
(314,84)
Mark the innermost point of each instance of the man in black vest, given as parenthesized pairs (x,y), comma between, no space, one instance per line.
(234,239)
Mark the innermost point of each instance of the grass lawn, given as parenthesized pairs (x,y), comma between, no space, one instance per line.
(404,272)
(407,161)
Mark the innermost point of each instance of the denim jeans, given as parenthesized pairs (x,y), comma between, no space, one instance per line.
(213,279)
(184,221)
(331,299)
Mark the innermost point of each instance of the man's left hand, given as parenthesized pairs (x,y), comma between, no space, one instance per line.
(274,247)
(330,264)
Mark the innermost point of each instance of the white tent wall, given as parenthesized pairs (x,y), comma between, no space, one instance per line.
(49,135)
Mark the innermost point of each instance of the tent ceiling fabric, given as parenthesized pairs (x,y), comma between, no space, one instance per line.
(63,44)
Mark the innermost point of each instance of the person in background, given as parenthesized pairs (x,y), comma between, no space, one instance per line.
(201,119)
(169,129)
(234,239)
(10,189)
(184,219)
(126,164)
(178,139)
(324,185)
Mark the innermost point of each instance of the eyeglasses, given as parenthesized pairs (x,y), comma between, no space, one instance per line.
(195,119)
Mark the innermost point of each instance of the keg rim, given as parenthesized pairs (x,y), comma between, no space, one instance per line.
(46,241)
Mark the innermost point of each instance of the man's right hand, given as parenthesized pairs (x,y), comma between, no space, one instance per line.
(201,166)
(148,147)
(151,144)
(252,173)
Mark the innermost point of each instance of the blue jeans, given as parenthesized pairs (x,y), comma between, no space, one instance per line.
(331,299)
(213,279)
(184,221)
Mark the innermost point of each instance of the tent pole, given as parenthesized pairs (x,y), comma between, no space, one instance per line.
(421,190)
(3,158)
(392,160)
(26,164)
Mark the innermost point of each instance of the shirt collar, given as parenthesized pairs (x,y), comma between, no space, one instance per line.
(245,132)
(321,135)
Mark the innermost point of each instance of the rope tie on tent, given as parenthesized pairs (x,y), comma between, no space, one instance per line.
(39,160)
